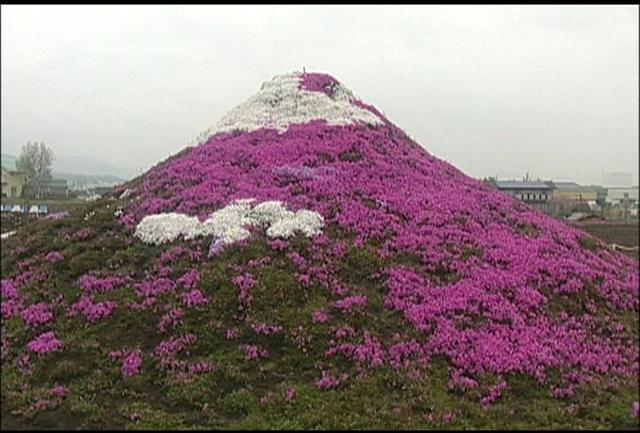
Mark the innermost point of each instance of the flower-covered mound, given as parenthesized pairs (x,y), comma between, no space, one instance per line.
(365,283)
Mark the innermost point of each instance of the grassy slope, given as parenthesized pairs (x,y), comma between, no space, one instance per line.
(229,396)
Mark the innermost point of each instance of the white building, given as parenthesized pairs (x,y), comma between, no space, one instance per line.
(617,196)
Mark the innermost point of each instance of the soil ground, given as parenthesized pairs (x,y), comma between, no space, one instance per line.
(624,233)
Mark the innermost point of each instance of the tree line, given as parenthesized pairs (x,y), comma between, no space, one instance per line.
(36,160)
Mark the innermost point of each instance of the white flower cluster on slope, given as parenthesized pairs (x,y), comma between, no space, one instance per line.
(280,103)
(7,234)
(230,223)
(126,193)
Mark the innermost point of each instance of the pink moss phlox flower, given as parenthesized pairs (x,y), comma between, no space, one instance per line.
(58,391)
(11,304)
(154,287)
(370,352)
(244,283)
(252,351)
(278,244)
(145,304)
(54,257)
(460,382)
(349,302)
(317,82)
(8,289)
(171,255)
(79,235)
(174,345)
(171,319)
(37,314)
(163,271)
(93,311)
(132,363)
(289,394)
(259,263)
(327,381)
(41,404)
(91,283)
(345,331)
(266,329)
(320,316)
(10,308)
(402,353)
(194,298)
(304,279)
(44,343)
(448,417)
(200,367)
(190,279)
(495,392)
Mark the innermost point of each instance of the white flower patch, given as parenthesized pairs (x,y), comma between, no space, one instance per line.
(229,224)
(125,193)
(280,103)
(6,235)
(268,213)
(167,227)
(308,222)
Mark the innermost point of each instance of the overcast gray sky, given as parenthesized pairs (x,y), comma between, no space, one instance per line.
(493,90)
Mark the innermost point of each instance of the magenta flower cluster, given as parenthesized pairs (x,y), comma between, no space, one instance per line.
(92,283)
(252,351)
(132,363)
(54,257)
(328,381)
(93,311)
(244,283)
(44,343)
(194,298)
(266,329)
(350,302)
(37,314)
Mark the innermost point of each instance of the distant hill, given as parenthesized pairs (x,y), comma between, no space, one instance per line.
(80,172)
(86,165)
(8,161)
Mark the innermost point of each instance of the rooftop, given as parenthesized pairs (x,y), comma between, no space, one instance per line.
(522,184)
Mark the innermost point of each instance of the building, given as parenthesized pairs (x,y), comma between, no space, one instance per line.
(536,193)
(571,191)
(527,190)
(618,196)
(101,190)
(50,188)
(13,183)
(623,202)
(54,188)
